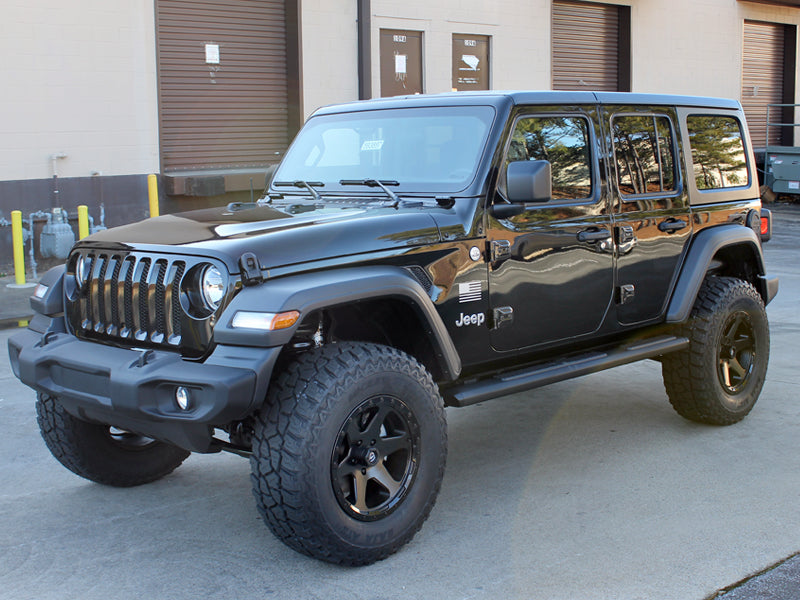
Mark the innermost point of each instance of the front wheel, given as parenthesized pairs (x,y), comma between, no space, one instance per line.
(718,379)
(101,453)
(349,452)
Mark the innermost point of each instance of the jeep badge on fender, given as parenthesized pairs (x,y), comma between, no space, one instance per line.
(475,319)
(322,330)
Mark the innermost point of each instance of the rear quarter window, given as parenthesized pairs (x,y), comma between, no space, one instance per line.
(718,152)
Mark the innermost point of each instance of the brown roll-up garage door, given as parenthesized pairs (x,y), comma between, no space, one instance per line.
(763,68)
(222,83)
(591,46)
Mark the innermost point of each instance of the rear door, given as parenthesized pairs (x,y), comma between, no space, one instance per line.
(652,223)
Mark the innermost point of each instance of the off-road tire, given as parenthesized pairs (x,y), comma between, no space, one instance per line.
(305,445)
(101,453)
(719,377)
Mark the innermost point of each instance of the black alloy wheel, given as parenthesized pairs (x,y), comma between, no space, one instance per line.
(737,352)
(375,458)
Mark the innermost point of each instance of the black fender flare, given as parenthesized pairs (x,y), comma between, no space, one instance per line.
(706,244)
(311,291)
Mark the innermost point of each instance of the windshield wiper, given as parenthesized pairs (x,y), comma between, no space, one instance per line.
(375,183)
(309,185)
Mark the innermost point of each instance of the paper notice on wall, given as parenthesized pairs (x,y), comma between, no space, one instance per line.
(212,54)
(400,61)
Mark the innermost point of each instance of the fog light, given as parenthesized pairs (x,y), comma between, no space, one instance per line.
(182,398)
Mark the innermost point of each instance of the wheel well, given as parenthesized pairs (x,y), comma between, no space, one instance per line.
(387,321)
(738,261)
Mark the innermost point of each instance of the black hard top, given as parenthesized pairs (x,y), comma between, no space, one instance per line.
(501,98)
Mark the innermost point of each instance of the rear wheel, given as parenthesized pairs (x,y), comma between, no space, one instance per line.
(718,379)
(102,453)
(349,452)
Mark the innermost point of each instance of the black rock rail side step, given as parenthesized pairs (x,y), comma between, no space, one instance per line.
(547,373)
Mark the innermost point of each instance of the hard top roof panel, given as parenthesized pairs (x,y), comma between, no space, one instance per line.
(501,98)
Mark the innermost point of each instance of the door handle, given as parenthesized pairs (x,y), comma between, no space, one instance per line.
(593,235)
(672,225)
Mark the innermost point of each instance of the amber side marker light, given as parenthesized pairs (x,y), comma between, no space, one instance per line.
(264,321)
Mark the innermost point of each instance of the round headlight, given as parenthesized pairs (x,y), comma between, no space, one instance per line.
(81,267)
(212,284)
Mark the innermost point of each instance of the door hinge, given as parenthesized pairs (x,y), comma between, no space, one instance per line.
(625,293)
(503,315)
(500,250)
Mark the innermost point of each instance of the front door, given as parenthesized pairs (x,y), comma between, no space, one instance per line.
(551,271)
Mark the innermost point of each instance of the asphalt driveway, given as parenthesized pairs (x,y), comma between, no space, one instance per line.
(592,488)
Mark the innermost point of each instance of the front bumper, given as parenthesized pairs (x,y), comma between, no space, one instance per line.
(135,389)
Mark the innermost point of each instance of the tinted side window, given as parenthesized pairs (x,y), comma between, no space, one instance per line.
(643,151)
(564,142)
(717,152)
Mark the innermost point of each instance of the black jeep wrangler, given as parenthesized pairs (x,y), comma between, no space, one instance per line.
(409,253)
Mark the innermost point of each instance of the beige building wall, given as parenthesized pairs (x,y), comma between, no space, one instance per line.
(329,53)
(519,46)
(695,47)
(677,46)
(79,78)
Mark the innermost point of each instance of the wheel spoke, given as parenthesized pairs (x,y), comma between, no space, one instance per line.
(737,368)
(383,477)
(353,431)
(389,445)
(743,342)
(360,490)
(726,372)
(346,468)
(729,334)
(373,429)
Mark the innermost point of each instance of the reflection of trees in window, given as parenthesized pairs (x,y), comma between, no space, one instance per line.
(643,151)
(717,152)
(564,142)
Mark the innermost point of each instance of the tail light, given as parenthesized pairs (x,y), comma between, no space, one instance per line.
(766,225)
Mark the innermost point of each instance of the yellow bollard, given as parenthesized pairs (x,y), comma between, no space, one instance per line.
(152,192)
(19,248)
(83,221)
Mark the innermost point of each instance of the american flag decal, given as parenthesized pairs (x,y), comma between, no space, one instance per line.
(469,291)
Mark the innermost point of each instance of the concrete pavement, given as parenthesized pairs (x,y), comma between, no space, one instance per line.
(588,489)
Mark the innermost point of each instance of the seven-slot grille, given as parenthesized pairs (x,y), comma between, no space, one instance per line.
(135,299)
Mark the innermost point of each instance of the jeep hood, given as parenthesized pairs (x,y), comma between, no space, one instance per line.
(279,235)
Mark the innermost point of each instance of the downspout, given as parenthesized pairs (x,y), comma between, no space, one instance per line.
(364,50)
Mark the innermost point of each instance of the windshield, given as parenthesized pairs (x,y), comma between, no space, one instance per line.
(423,149)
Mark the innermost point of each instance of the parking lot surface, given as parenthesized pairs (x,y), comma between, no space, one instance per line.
(592,488)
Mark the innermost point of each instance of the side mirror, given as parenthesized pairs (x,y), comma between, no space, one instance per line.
(529,181)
